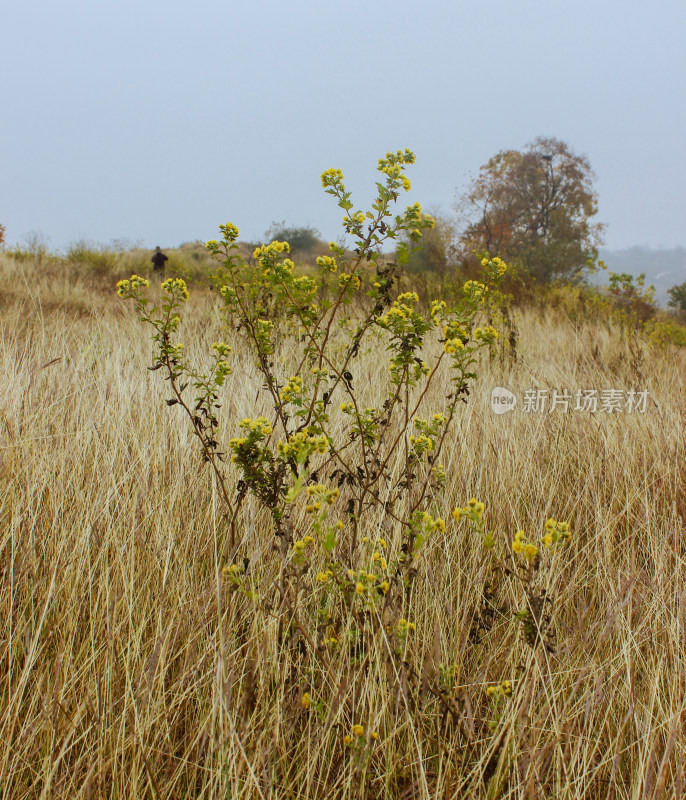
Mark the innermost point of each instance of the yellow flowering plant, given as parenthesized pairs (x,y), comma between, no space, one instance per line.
(351,489)
(527,564)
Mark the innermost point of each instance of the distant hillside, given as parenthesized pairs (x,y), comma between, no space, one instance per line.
(663,268)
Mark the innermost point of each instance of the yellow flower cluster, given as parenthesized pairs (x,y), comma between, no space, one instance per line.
(431,524)
(497,265)
(486,334)
(291,389)
(261,425)
(173,285)
(520,545)
(358,732)
(256,430)
(306,700)
(392,170)
(404,627)
(331,177)
(438,308)
(228,293)
(454,330)
(327,262)
(421,444)
(452,346)
(393,166)
(349,280)
(347,408)
(401,310)
(300,546)
(438,473)
(263,334)
(222,367)
(387,164)
(328,496)
(413,213)
(475,289)
(408,297)
(264,327)
(555,532)
(230,232)
(284,269)
(323,577)
(473,510)
(379,559)
(221,349)
(503,689)
(132,284)
(301,445)
(273,249)
(364,581)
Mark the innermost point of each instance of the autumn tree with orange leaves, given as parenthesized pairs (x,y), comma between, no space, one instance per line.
(534,208)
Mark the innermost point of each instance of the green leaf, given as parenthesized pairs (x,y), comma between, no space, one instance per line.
(329,542)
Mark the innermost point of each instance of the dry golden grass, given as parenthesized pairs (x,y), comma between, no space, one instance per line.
(129,671)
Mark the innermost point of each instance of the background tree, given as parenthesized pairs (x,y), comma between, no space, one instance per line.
(2,234)
(677,297)
(534,208)
(436,250)
(301,239)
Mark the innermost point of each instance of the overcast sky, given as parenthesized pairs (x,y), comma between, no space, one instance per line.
(156,121)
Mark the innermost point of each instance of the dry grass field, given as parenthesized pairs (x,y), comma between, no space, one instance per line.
(129,670)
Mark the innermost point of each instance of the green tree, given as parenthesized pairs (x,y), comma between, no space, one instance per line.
(301,239)
(534,208)
(435,252)
(677,297)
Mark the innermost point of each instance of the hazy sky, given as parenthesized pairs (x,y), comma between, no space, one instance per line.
(156,121)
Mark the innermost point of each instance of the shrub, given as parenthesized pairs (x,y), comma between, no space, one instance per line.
(35,249)
(665,333)
(350,480)
(632,302)
(98,259)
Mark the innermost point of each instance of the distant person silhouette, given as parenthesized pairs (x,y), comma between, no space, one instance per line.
(158,259)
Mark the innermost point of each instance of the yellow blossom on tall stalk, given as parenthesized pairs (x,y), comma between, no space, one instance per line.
(452,346)
(172,285)
(230,232)
(328,263)
(132,284)
(521,545)
(486,334)
(474,289)
(556,533)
